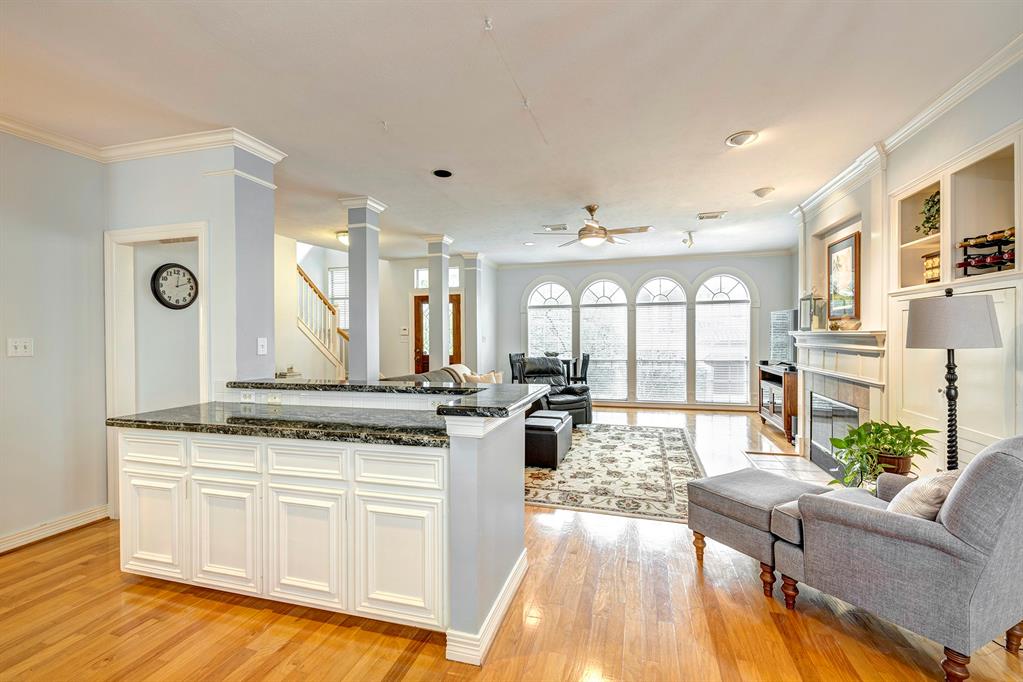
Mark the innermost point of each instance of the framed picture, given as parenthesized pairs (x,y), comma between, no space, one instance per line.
(844,278)
(806,313)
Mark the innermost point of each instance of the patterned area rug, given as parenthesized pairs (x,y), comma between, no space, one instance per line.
(627,470)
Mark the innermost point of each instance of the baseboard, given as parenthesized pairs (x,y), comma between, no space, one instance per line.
(472,648)
(45,530)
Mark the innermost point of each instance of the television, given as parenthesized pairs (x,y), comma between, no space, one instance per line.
(783,346)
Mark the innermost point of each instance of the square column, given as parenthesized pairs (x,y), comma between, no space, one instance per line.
(472,288)
(437,250)
(364,287)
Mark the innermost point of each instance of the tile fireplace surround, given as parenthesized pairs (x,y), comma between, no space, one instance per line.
(848,367)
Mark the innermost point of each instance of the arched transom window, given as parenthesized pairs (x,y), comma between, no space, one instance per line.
(661,341)
(549,320)
(722,341)
(604,334)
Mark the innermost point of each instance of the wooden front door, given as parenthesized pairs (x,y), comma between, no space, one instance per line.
(421,327)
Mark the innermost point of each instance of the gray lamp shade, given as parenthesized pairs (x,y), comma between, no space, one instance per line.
(953,322)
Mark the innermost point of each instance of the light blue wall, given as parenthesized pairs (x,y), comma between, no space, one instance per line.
(254,271)
(53,211)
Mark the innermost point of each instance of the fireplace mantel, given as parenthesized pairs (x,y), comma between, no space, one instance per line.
(872,342)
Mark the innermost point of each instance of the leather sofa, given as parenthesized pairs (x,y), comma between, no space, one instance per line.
(563,397)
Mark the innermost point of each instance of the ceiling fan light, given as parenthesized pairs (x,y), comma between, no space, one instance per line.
(342,237)
(592,240)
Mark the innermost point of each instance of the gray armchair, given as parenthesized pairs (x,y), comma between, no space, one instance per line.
(957,580)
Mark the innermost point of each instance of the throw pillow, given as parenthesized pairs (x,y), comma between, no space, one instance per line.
(923,498)
(488,378)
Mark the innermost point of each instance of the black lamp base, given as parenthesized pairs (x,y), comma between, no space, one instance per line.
(951,395)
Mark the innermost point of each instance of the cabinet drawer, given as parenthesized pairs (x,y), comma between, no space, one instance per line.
(308,461)
(153,449)
(230,455)
(408,469)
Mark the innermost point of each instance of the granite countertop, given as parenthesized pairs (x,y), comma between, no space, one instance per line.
(472,400)
(306,422)
(300,384)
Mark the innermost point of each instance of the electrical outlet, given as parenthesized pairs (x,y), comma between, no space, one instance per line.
(273,399)
(247,397)
(20,347)
(261,345)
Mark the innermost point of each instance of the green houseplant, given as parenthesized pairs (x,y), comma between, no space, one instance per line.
(931,214)
(873,448)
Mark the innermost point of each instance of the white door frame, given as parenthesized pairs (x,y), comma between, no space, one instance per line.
(119,327)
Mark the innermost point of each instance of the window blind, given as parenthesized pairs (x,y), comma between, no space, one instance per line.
(421,278)
(337,292)
(722,352)
(549,329)
(661,352)
(604,334)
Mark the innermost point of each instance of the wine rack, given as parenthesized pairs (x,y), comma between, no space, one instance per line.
(983,259)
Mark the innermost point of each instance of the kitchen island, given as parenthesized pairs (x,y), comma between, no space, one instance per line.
(395,501)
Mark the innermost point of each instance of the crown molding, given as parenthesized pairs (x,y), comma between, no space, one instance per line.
(871,159)
(437,239)
(241,174)
(130,151)
(611,262)
(31,133)
(363,202)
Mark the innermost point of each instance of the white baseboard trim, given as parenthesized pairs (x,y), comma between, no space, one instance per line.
(472,648)
(45,530)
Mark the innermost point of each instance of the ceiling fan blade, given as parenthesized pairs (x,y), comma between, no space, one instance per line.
(568,243)
(629,230)
(618,240)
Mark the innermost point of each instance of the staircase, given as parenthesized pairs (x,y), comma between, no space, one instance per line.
(317,319)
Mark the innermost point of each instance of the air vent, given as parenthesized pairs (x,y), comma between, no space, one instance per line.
(711,215)
(561,227)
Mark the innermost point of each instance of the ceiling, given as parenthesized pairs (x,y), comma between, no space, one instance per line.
(629,104)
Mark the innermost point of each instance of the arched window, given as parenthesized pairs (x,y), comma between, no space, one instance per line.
(604,334)
(661,341)
(549,320)
(722,341)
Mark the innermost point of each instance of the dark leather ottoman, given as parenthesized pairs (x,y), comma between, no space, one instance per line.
(548,438)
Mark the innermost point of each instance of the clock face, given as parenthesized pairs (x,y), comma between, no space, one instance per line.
(174,286)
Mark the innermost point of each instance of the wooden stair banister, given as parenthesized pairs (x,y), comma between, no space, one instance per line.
(317,318)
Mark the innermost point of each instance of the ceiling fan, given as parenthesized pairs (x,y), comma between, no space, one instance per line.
(592,233)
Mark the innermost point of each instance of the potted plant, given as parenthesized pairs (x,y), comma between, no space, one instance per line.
(873,448)
(931,214)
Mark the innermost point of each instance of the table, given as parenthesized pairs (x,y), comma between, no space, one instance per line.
(569,363)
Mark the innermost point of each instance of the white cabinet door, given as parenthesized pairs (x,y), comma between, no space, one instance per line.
(226,533)
(154,523)
(308,545)
(399,557)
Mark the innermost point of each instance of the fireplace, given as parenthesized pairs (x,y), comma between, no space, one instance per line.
(829,419)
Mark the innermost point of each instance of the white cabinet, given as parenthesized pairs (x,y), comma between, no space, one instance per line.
(399,552)
(226,533)
(308,545)
(154,523)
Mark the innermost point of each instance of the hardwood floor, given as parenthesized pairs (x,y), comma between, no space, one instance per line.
(605,598)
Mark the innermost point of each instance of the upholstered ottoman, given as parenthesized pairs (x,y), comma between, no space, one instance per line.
(548,438)
(735,509)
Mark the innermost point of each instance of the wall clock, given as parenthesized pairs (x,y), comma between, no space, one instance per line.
(174,286)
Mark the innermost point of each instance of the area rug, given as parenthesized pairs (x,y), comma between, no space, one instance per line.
(626,470)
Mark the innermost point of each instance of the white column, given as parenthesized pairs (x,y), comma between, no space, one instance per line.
(472,290)
(437,249)
(364,287)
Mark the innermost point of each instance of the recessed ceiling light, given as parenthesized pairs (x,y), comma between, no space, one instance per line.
(443,173)
(529,243)
(342,237)
(711,215)
(742,138)
(763,191)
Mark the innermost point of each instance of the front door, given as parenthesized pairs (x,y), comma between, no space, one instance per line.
(421,325)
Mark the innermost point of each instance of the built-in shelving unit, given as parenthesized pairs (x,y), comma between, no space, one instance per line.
(979,212)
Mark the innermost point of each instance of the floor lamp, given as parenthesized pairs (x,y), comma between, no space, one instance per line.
(953,322)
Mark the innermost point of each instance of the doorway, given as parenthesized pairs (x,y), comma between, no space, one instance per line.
(421,328)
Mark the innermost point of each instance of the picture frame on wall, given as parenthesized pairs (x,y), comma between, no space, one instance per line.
(844,278)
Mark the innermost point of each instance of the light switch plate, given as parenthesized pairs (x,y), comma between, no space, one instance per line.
(20,347)
(261,345)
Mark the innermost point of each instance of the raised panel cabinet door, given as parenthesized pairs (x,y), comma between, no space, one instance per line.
(399,557)
(226,533)
(308,545)
(154,523)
